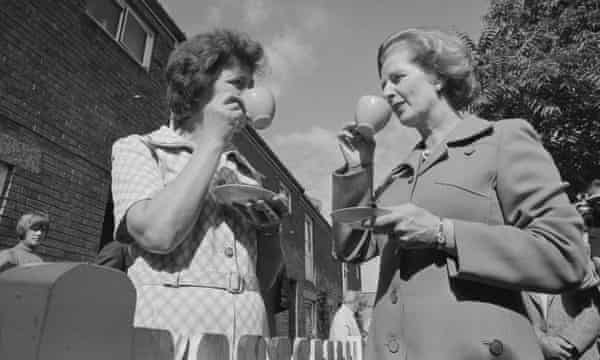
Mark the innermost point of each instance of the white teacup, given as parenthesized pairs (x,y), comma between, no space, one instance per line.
(372,114)
(260,107)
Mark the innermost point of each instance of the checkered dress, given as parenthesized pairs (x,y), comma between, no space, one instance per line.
(221,242)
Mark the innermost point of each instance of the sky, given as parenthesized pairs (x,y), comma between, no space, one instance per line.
(321,59)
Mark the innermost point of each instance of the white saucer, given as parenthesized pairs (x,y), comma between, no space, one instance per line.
(356,215)
(241,194)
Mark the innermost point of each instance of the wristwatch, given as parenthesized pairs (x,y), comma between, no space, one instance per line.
(440,237)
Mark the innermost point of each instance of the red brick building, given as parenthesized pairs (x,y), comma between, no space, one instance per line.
(75,75)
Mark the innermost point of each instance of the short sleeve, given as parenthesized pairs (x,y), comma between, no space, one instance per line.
(135,176)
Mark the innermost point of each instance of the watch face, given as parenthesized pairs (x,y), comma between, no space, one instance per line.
(440,238)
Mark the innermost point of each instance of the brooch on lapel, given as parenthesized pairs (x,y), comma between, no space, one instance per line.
(469,151)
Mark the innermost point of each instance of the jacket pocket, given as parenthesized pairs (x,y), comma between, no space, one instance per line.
(464,187)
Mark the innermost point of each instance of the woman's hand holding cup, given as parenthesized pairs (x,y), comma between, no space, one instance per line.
(357,140)
(223,115)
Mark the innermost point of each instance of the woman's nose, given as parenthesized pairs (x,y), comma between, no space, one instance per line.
(388,91)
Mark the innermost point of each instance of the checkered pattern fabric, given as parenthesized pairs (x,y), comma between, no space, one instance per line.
(220,242)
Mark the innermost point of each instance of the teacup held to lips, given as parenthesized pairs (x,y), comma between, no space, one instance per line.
(259,103)
(372,114)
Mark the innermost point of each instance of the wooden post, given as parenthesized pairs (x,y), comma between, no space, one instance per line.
(214,347)
(316,349)
(301,349)
(67,311)
(339,349)
(152,344)
(348,350)
(279,348)
(251,347)
(356,345)
(329,350)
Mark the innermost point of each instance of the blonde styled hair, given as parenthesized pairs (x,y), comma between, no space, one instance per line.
(442,54)
(28,220)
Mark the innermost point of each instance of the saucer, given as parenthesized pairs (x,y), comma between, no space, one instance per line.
(356,215)
(241,194)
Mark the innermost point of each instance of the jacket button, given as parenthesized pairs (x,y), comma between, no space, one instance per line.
(228,251)
(496,347)
(393,345)
(394,296)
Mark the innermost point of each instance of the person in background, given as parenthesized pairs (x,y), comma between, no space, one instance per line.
(589,207)
(31,230)
(567,325)
(194,258)
(115,255)
(476,214)
(344,323)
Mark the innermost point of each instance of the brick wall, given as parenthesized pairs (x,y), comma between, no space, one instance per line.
(68,90)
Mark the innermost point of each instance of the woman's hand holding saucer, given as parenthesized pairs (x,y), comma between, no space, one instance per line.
(264,213)
(410,226)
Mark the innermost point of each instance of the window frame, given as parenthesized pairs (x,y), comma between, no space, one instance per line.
(310,306)
(5,183)
(309,256)
(118,38)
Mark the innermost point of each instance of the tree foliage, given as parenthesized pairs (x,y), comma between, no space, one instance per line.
(540,60)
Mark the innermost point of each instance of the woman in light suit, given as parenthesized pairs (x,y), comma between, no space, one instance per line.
(477,214)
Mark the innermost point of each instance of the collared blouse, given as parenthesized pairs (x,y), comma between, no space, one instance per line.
(171,291)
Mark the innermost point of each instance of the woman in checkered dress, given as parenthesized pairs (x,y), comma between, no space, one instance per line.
(194,267)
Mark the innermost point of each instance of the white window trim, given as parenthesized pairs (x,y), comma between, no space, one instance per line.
(148,46)
(5,186)
(149,37)
(309,229)
(312,307)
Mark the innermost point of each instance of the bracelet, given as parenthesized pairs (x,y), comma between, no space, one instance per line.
(440,237)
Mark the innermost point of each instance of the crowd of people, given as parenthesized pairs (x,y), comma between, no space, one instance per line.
(481,251)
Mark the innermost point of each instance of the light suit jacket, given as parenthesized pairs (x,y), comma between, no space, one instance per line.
(514,230)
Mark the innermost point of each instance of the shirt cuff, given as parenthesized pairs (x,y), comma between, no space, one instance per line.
(352,170)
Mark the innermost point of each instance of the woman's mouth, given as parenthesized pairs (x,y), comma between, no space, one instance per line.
(397,107)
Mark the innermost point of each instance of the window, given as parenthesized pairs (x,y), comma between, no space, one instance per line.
(125,26)
(286,191)
(309,249)
(310,316)
(5,177)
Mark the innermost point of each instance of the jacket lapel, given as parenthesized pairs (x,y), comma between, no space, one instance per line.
(438,154)
(468,129)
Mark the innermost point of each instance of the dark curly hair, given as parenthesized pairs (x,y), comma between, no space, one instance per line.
(196,63)
(442,54)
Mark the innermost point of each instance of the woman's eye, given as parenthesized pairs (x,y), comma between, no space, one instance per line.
(396,78)
(238,83)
